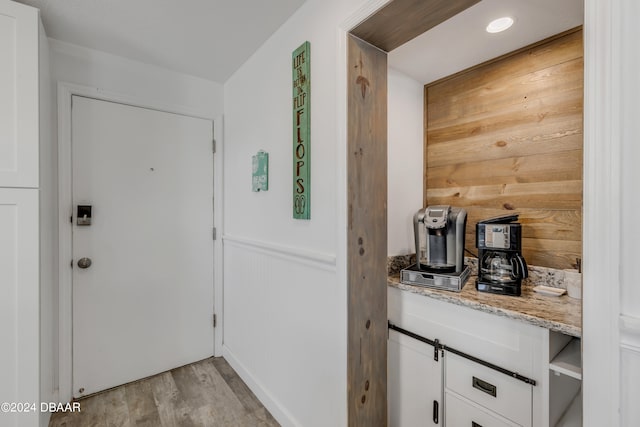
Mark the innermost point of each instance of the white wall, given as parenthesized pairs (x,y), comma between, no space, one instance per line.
(141,84)
(285,302)
(405,160)
(148,83)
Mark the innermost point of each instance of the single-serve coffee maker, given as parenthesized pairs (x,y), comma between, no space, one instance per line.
(439,238)
(501,266)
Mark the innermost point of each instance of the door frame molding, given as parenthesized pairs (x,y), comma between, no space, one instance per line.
(65,300)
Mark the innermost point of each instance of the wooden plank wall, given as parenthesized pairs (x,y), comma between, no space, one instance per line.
(367,234)
(505,137)
(416,17)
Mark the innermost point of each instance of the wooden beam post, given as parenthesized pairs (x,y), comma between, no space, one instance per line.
(367,234)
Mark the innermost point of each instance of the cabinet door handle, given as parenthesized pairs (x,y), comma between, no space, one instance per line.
(484,386)
(436,411)
(475,424)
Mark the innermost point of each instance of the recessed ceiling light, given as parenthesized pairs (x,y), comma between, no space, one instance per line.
(500,24)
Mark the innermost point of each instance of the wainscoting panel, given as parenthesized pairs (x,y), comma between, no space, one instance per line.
(285,330)
(630,367)
(630,333)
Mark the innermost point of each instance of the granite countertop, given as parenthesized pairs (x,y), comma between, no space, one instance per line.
(560,314)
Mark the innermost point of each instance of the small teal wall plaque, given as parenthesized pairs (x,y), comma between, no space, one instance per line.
(260,166)
(302,131)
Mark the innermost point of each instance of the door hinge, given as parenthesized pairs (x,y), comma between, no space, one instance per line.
(215,233)
(213,144)
(215,320)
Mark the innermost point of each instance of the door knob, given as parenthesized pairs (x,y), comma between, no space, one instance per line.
(84,262)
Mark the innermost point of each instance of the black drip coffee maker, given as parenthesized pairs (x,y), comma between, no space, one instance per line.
(501,266)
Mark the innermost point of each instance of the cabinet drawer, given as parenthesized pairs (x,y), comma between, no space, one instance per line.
(460,413)
(505,342)
(495,391)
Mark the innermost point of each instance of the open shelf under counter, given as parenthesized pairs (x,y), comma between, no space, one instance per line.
(565,380)
(568,361)
(573,416)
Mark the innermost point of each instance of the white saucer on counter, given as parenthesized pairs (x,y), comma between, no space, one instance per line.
(549,291)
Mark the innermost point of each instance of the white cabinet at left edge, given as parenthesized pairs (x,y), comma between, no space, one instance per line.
(19,95)
(19,305)
(25,133)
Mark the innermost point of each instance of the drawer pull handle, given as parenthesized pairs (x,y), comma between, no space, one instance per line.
(436,412)
(475,424)
(484,386)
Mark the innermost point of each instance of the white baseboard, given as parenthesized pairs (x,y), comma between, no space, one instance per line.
(276,409)
(45,417)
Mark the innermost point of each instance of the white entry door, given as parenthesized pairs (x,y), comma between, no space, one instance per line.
(144,305)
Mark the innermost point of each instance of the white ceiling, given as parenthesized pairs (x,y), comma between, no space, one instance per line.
(212,38)
(462,41)
(205,38)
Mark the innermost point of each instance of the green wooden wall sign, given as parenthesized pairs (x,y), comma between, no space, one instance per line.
(302,132)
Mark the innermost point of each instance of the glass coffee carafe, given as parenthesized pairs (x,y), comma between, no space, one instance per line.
(501,267)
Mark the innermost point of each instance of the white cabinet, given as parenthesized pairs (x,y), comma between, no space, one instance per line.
(19,95)
(414,382)
(19,302)
(493,371)
(422,374)
(24,130)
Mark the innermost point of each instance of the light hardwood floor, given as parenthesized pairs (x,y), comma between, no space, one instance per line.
(206,393)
